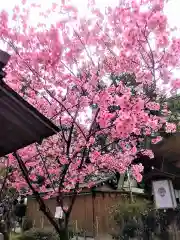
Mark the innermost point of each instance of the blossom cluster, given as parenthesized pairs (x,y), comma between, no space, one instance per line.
(71,72)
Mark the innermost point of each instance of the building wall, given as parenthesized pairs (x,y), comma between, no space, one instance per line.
(83,216)
(90,214)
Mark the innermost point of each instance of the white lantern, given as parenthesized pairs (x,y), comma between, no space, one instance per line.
(164,194)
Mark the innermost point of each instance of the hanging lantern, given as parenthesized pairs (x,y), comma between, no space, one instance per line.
(164,194)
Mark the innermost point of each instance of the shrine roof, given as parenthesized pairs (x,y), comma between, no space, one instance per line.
(20,123)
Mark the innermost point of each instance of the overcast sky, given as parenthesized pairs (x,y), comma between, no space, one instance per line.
(172,7)
(172,10)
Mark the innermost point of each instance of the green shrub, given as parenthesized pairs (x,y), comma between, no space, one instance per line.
(14,236)
(128,216)
(130,229)
(38,234)
(27,224)
(125,210)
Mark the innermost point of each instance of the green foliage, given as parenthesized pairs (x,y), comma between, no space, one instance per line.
(126,210)
(174,103)
(130,218)
(38,234)
(130,229)
(174,106)
(14,236)
(129,79)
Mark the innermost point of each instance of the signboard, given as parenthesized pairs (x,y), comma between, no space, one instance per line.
(164,194)
(59,213)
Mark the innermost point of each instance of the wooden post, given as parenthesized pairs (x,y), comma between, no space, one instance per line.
(84,235)
(42,222)
(34,223)
(97,226)
(76,226)
(93,213)
(130,188)
(76,229)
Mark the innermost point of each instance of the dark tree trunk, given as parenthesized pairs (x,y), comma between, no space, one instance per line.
(63,234)
(61,228)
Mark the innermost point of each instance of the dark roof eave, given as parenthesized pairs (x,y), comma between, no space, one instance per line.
(22,123)
(159,174)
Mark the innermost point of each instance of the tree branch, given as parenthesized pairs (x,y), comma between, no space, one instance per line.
(42,205)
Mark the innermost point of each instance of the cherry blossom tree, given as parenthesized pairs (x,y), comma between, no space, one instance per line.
(99,75)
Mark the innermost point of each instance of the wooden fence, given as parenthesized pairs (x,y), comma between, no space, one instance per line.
(89,213)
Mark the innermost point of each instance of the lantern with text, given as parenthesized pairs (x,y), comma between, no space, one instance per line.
(164,194)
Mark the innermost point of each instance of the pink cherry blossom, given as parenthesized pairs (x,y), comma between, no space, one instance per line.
(170,127)
(136,170)
(157,139)
(153,106)
(99,78)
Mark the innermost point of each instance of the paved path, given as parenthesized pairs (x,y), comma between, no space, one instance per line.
(102,237)
(82,238)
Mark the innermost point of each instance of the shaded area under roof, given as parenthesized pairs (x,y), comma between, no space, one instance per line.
(166,164)
(157,174)
(20,123)
(169,149)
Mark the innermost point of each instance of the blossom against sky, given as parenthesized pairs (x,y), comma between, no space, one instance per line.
(171,8)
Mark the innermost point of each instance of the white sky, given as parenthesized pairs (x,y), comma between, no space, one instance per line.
(172,8)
